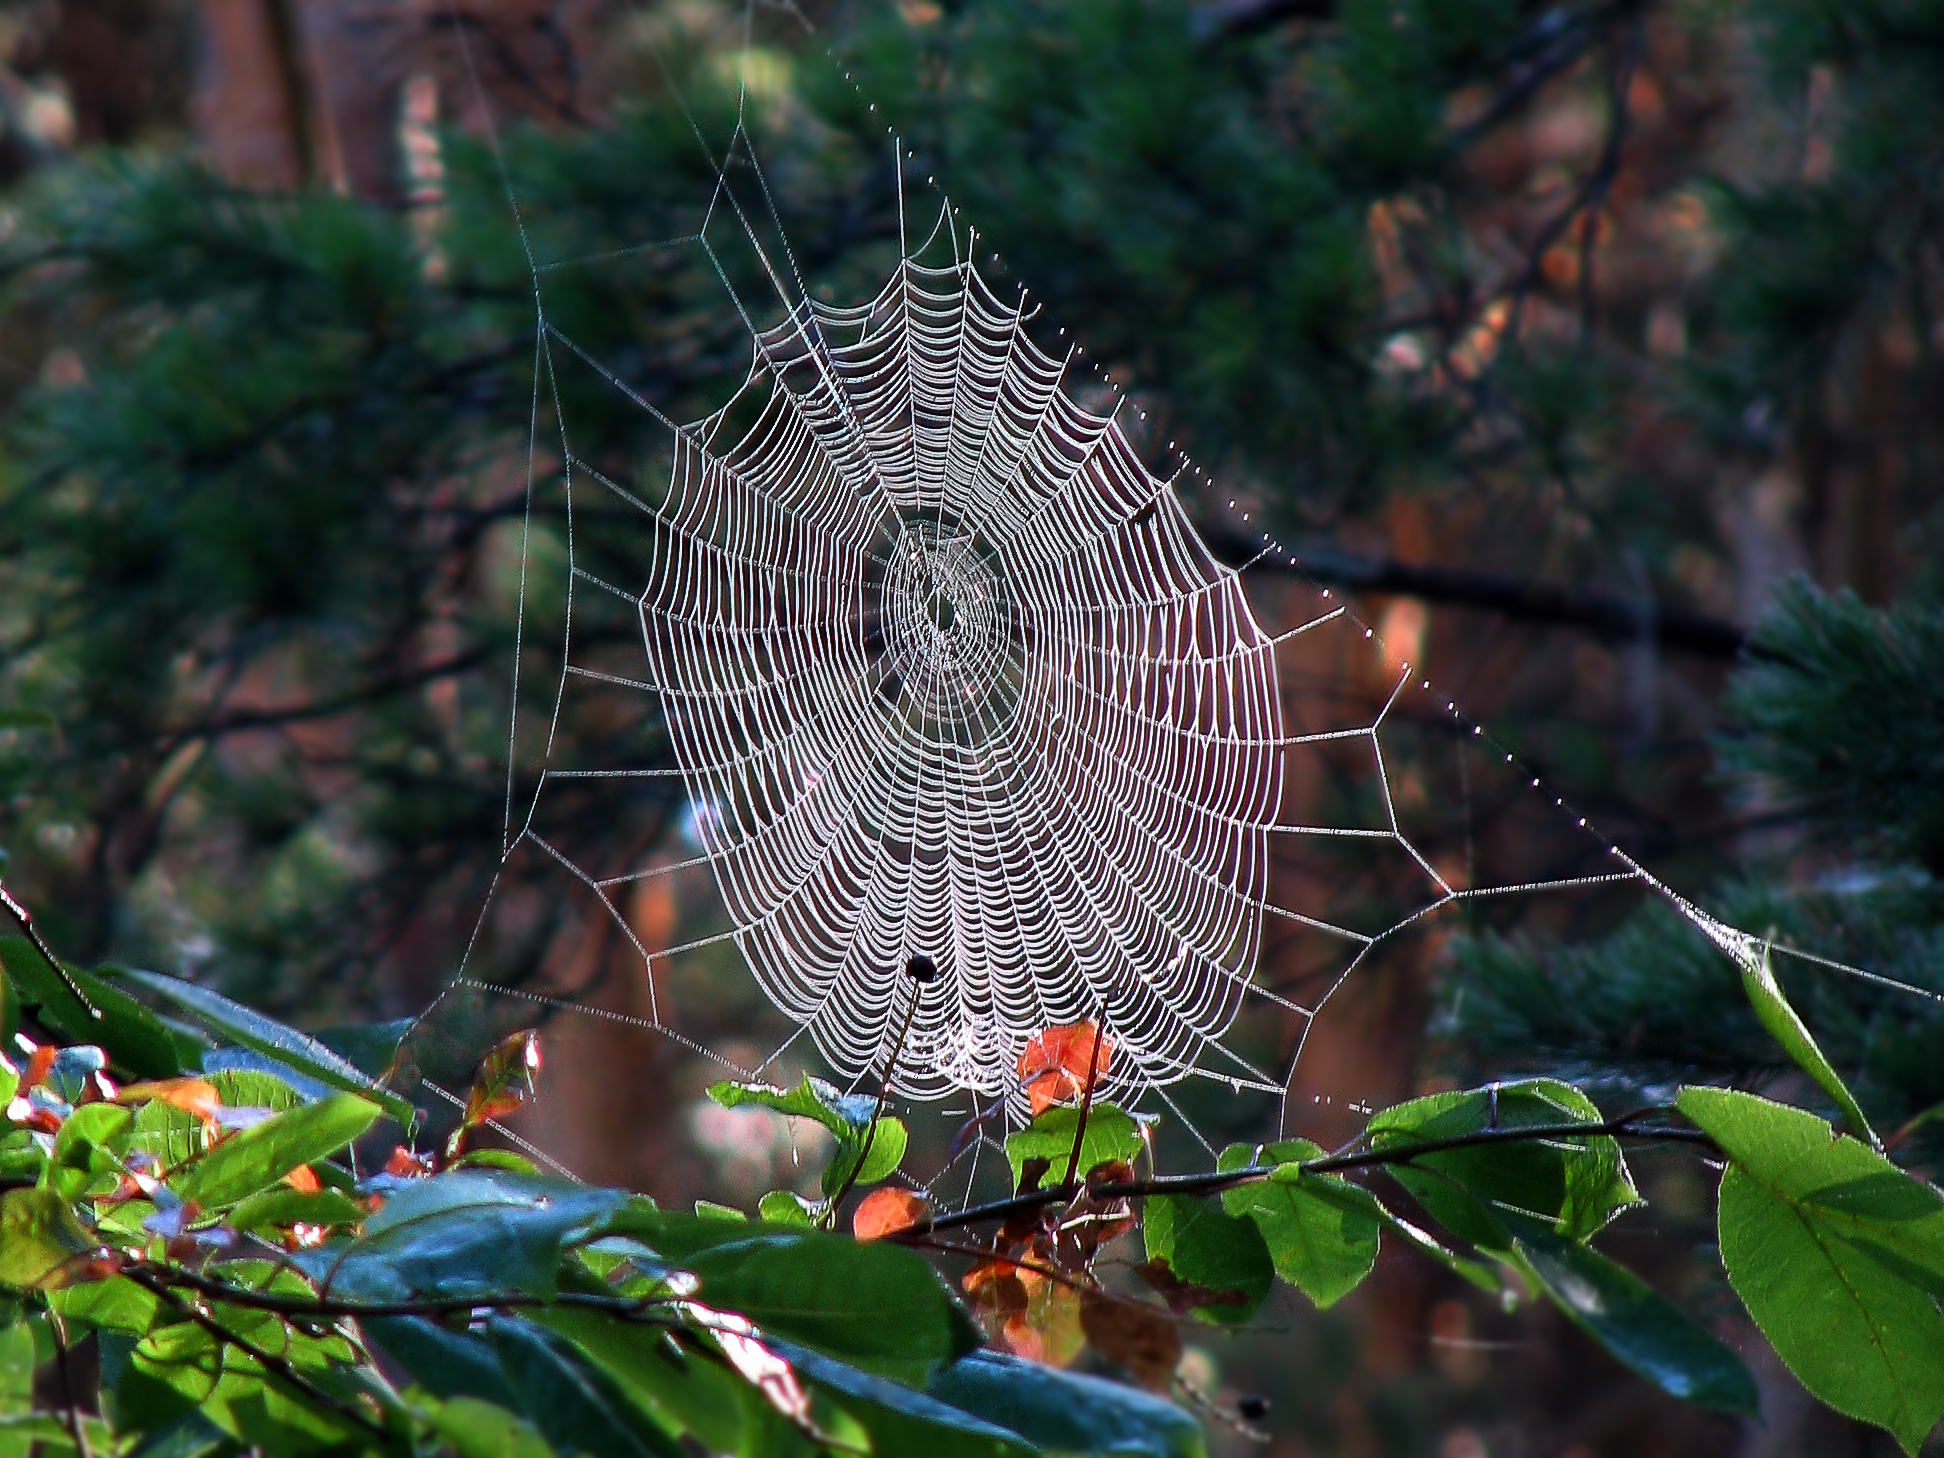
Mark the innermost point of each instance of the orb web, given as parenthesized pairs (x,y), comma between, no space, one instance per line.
(951,674)
(947,669)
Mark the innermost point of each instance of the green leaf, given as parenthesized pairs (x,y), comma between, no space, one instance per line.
(877,1305)
(40,1240)
(369,1047)
(1835,1252)
(1321,1243)
(466,1233)
(84,1161)
(879,1153)
(132,1036)
(785,1207)
(1576,1185)
(1774,1012)
(897,1419)
(1065,1412)
(1634,1322)
(263,1154)
(281,1207)
(685,1392)
(445,1362)
(573,1403)
(116,1304)
(46,1433)
(180,1369)
(846,1116)
(1207,1248)
(301,1052)
(478,1429)
(1111,1134)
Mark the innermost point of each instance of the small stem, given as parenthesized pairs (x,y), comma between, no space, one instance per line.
(269,1361)
(884,1092)
(76,1425)
(20,914)
(295,1306)
(1086,1103)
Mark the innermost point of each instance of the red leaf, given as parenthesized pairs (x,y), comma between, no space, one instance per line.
(193,1095)
(503,1084)
(303,1179)
(1055,1064)
(1144,1341)
(406,1165)
(886,1211)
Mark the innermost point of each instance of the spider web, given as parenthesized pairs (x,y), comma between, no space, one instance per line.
(933,646)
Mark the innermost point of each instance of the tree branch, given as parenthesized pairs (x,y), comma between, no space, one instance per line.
(1609,616)
(1213,1181)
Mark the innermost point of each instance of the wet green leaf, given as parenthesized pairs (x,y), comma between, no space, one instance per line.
(259,1156)
(1774,1012)
(1576,1184)
(1837,1254)
(1634,1322)
(1065,1412)
(300,1051)
(1111,1134)
(1319,1240)
(131,1035)
(876,1305)
(1206,1248)
(472,1232)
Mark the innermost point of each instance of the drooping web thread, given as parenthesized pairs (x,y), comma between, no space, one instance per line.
(949,672)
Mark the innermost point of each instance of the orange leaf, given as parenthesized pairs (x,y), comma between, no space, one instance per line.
(40,1059)
(193,1095)
(1144,1341)
(406,1165)
(886,1211)
(303,1179)
(503,1083)
(1056,1061)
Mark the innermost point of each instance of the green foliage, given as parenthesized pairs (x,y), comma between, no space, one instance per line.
(131,1035)
(1575,1187)
(283,1045)
(1321,1231)
(1839,1257)
(260,1156)
(1635,1323)
(870,1145)
(1224,1257)
(1837,719)
(1780,1020)
(1112,1135)
(1835,722)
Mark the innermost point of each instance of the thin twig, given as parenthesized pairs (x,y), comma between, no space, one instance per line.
(1086,1102)
(269,1361)
(1210,1183)
(884,1092)
(76,1425)
(324,1306)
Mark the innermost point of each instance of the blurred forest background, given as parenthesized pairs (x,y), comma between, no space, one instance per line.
(1573,341)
